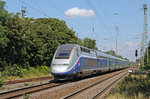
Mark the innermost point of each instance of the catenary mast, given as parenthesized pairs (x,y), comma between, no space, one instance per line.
(144,40)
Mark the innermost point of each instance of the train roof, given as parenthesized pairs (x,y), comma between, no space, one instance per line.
(98,52)
(109,56)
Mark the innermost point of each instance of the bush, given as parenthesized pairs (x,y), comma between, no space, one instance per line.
(133,85)
(1,83)
(32,70)
(148,75)
(44,69)
(24,71)
(17,71)
(13,71)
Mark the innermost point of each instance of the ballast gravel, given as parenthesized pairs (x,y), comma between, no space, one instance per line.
(21,85)
(64,90)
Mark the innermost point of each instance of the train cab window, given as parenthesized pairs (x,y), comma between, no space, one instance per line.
(85,50)
(64,52)
(62,55)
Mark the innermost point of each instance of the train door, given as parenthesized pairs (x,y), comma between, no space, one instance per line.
(98,61)
(108,64)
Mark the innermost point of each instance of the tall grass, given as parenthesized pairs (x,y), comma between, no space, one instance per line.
(16,72)
(133,87)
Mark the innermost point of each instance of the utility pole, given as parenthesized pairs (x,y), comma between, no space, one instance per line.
(24,10)
(144,40)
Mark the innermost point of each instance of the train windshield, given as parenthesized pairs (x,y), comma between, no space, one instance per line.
(64,52)
(63,55)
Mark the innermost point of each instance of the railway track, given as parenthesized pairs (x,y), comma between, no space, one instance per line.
(107,87)
(76,94)
(42,87)
(27,80)
(32,89)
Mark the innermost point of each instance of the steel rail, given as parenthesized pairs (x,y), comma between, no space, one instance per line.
(107,87)
(27,80)
(83,89)
(31,89)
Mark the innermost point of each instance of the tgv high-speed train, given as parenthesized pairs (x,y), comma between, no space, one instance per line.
(72,61)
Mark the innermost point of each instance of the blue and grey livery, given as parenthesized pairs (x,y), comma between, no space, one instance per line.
(71,61)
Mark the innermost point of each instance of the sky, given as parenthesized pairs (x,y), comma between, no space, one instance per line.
(106,21)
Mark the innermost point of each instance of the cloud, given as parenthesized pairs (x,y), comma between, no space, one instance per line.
(76,12)
(129,44)
(132,44)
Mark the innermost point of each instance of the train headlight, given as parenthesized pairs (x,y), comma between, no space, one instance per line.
(65,65)
(53,65)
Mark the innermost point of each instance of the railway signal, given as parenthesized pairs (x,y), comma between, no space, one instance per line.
(136,53)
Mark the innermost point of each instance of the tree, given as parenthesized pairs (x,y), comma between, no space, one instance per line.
(32,42)
(3,14)
(3,39)
(111,52)
(87,42)
(2,4)
(50,33)
(147,61)
(80,42)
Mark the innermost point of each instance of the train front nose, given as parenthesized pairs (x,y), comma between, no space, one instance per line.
(60,71)
(60,68)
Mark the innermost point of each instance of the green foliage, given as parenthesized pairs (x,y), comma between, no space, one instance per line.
(12,71)
(147,61)
(44,69)
(26,84)
(87,42)
(80,42)
(133,85)
(148,75)
(31,42)
(32,70)
(3,39)
(26,43)
(1,83)
(2,4)
(20,72)
(123,96)
(36,71)
(26,95)
(111,52)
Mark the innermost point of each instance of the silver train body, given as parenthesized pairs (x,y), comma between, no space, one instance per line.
(72,61)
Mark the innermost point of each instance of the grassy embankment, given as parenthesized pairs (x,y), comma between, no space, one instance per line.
(132,87)
(16,72)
